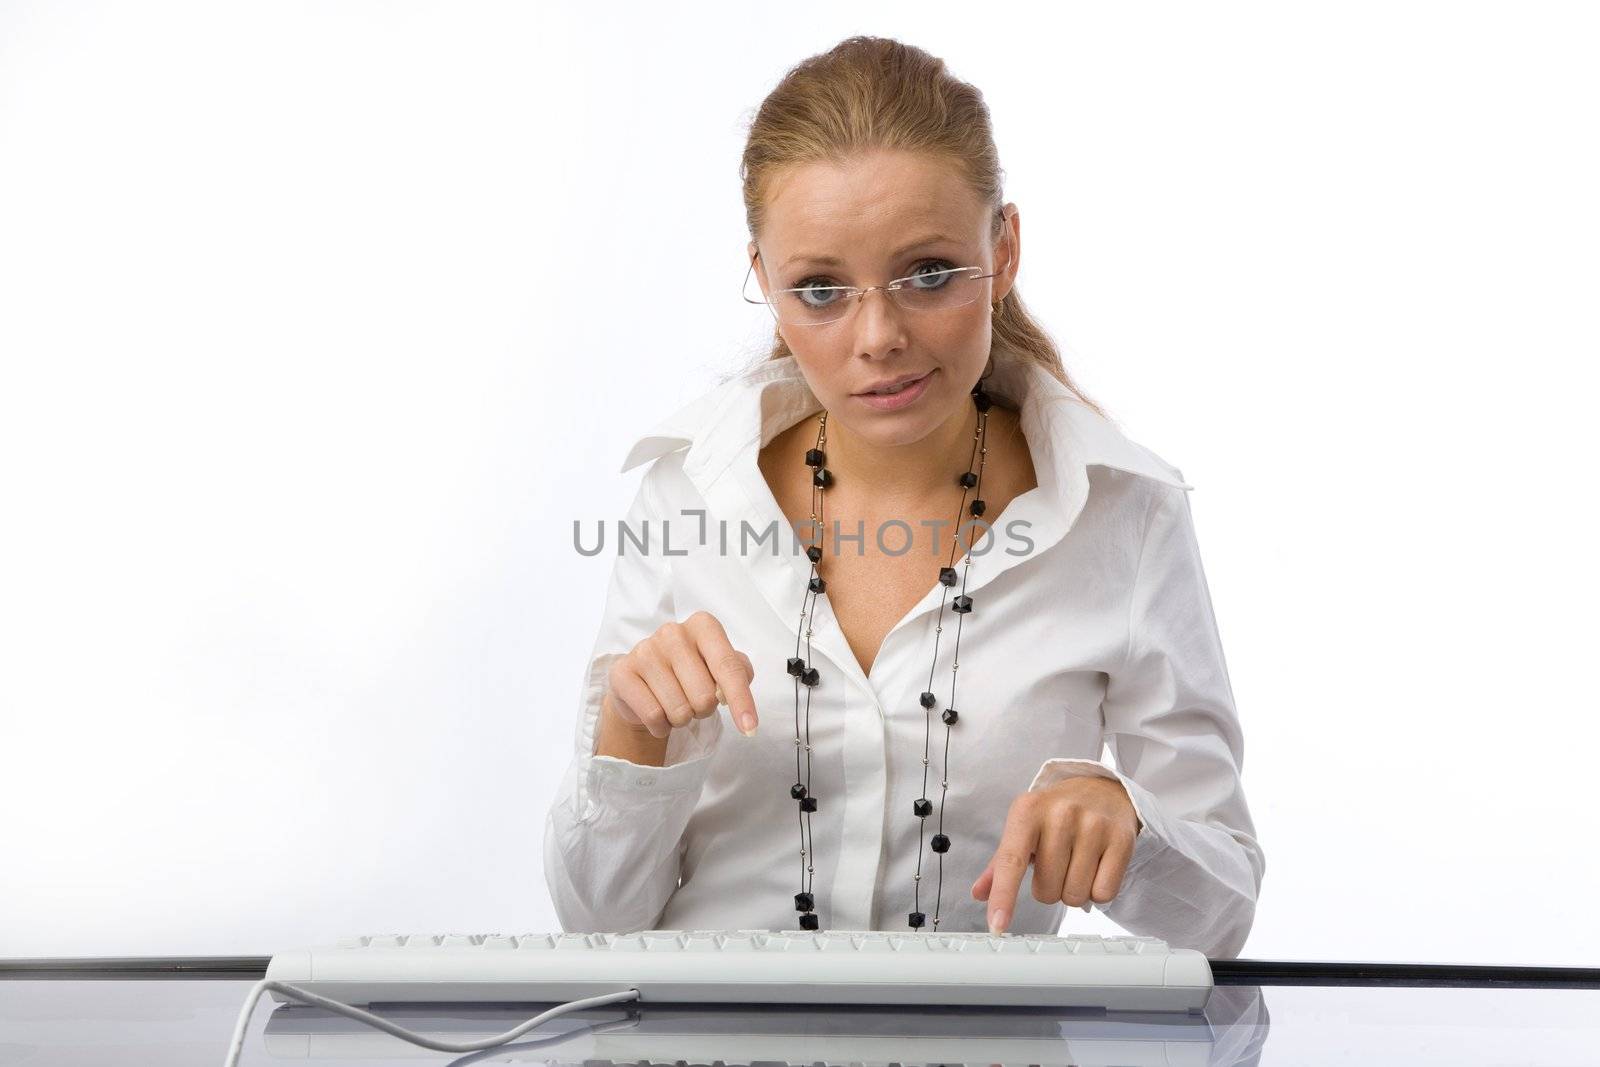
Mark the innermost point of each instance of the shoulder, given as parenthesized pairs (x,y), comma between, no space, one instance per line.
(715,419)
(1089,454)
(1102,442)
(671,435)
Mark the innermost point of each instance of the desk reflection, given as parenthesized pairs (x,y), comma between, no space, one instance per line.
(1231,1030)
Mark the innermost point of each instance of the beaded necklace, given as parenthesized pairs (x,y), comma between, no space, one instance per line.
(808,676)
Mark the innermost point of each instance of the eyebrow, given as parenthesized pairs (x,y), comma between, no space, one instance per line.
(831,261)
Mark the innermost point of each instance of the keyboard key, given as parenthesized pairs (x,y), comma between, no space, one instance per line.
(663,941)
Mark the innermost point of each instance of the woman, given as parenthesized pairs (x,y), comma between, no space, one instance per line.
(1071,608)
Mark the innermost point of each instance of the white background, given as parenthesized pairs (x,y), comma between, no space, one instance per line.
(321,324)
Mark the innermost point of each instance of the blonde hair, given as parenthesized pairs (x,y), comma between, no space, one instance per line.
(870,93)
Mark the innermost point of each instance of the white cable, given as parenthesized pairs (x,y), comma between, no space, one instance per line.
(399,1031)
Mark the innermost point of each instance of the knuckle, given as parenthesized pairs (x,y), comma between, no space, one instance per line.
(1010,859)
(1093,826)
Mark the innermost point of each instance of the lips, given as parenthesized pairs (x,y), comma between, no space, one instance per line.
(891,383)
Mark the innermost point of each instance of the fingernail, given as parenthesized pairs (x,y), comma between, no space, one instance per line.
(722,701)
(997,920)
(747,724)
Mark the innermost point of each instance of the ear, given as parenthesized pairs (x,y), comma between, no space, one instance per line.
(1009,245)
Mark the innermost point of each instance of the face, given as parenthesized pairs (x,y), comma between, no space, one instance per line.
(860,215)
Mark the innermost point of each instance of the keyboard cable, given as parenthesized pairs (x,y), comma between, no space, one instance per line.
(378,1021)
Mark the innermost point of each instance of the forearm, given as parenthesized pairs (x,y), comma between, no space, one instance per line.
(615,871)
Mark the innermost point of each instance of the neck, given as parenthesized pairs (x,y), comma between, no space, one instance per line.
(911,472)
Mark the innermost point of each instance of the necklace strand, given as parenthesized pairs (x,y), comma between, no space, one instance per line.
(808,676)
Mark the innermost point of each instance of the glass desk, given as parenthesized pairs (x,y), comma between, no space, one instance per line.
(181,1012)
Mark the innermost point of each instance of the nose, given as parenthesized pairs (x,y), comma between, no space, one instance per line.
(879,321)
(884,302)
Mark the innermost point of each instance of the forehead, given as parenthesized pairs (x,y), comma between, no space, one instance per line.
(826,207)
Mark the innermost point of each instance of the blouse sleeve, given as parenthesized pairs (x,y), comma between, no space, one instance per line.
(1196,867)
(613,834)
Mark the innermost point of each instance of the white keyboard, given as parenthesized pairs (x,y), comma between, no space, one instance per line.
(757,967)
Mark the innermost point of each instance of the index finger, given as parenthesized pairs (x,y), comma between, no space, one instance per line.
(732,669)
(1011,860)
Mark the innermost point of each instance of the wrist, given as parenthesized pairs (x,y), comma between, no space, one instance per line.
(628,741)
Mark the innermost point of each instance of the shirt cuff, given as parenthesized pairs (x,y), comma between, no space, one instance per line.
(686,761)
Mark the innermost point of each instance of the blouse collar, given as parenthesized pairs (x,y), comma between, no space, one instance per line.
(742,415)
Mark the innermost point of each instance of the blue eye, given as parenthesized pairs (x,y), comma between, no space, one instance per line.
(825,287)
(940,277)
(808,290)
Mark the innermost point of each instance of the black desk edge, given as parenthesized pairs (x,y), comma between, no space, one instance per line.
(1223,972)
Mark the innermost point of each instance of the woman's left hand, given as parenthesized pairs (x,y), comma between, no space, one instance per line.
(1078,834)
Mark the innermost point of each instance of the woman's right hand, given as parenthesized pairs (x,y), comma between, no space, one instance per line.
(682,672)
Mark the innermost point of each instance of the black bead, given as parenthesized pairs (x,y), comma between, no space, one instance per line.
(961,605)
(814,553)
(947,575)
(817,584)
(940,843)
(814,457)
(927,700)
(916,919)
(978,506)
(810,676)
(950,716)
(797,666)
(808,803)
(981,401)
(803,902)
(808,921)
(921,808)
(968,480)
(798,790)
(822,477)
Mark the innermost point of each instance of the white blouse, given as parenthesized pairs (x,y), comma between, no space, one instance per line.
(1091,624)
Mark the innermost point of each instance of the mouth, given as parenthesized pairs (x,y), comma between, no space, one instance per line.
(898,385)
(900,394)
